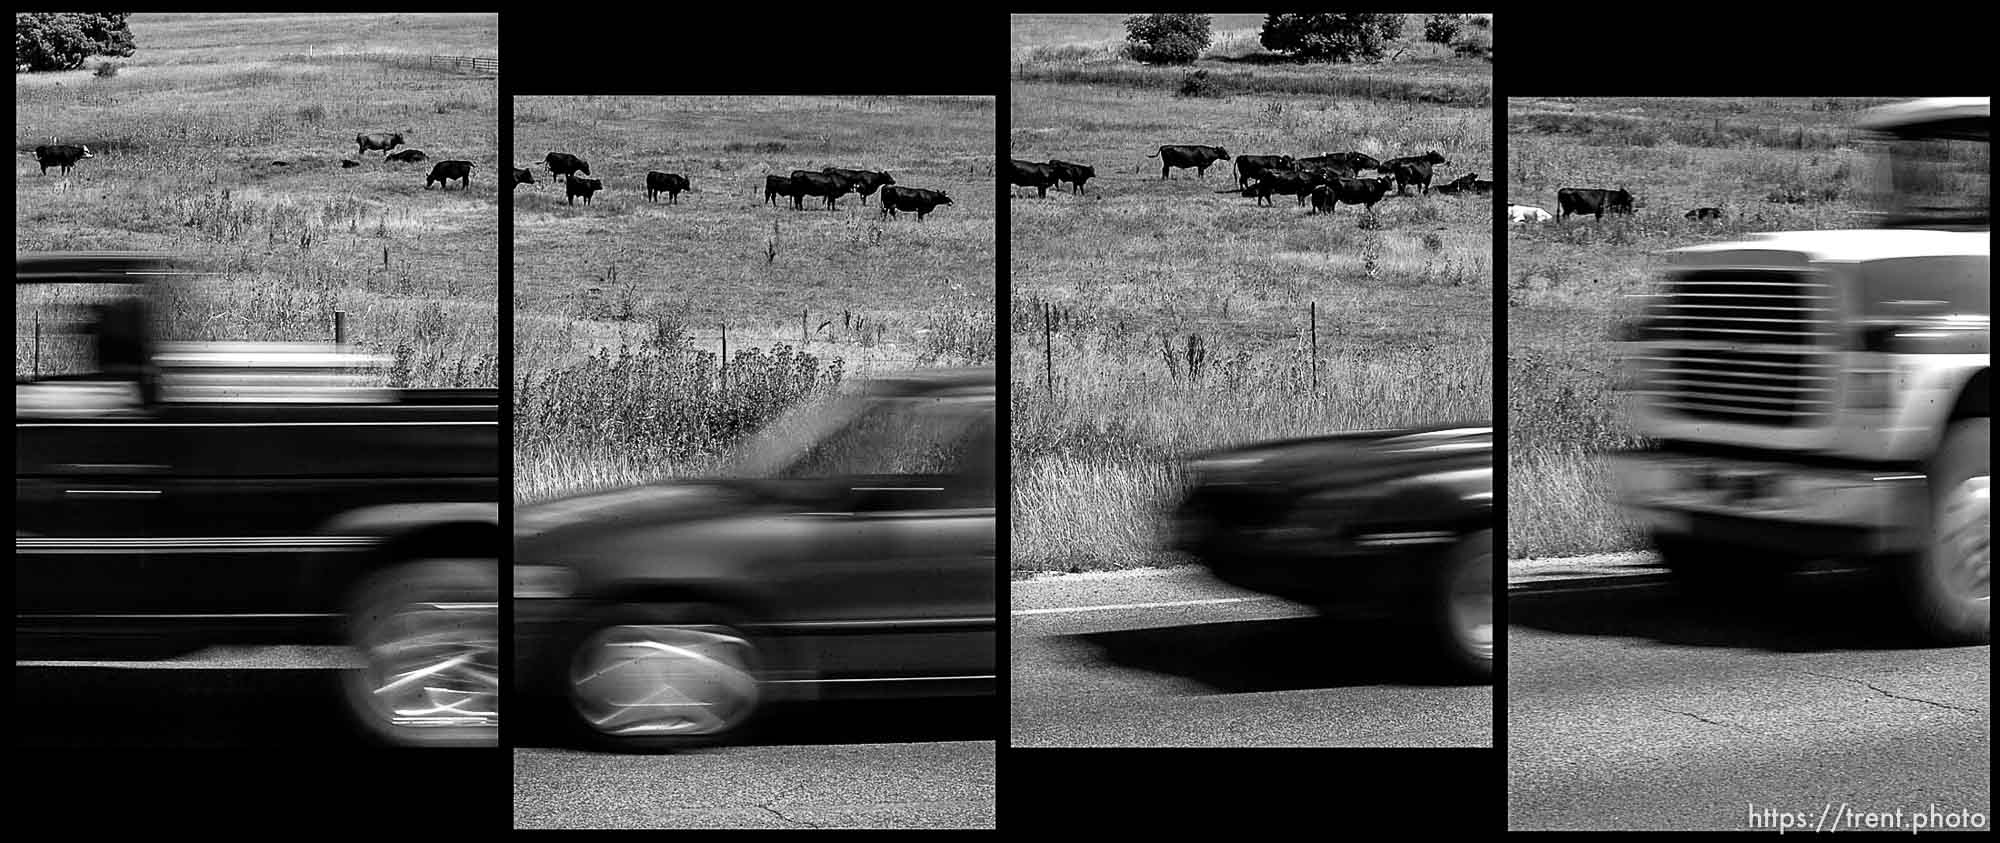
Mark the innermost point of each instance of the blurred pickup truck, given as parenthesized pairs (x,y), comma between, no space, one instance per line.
(1394,524)
(1825,394)
(173,496)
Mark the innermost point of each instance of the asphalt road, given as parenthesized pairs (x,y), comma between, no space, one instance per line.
(1632,708)
(1173,658)
(905,764)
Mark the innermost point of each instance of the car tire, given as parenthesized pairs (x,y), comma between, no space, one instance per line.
(427,633)
(1947,587)
(1461,609)
(1718,572)
(696,658)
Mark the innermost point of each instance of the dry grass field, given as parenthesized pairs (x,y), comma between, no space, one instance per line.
(620,305)
(188,136)
(1771,165)
(1177,318)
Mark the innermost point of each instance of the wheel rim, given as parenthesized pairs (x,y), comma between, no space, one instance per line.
(1964,538)
(1472,606)
(665,680)
(433,667)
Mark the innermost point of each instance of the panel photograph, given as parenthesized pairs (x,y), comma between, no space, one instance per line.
(1749,529)
(1251,373)
(755,424)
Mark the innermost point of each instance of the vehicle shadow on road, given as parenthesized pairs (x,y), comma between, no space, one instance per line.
(1848,610)
(826,723)
(1283,654)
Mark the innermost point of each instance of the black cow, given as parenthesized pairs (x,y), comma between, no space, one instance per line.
(565,164)
(824,185)
(670,184)
(349,163)
(1705,214)
(1075,174)
(1252,167)
(1287,183)
(1482,187)
(523,175)
(775,186)
(407,156)
(583,186)
(1328,197)
(1041,177)
(1593,201)
(62,155)
(1183,156)
(444,171)
(1350,160)
(865,182)
(384,141)
(912,199)
(1412,169)
(1462,184)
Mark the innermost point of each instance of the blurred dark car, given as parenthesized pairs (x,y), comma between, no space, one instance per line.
(854,556)
(171,496)
(1395,524)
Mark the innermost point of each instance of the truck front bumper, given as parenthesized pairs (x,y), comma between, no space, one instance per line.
(1774,505)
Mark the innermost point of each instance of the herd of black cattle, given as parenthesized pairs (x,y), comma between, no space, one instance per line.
(1328,180)
(65,156)
(828,184)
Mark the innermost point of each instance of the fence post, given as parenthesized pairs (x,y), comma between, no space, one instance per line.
(1049,345)
(1313,318)
(803,335)
(724,370)
(340,327)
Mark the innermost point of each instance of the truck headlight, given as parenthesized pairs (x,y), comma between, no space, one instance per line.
(543,581)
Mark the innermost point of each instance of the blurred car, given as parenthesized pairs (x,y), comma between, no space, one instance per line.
(854,556)
(1394,524)
(170,496)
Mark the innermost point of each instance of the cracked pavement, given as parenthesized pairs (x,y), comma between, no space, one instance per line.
(1631,708)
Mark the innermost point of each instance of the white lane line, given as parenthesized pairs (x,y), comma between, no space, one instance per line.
(1120,606)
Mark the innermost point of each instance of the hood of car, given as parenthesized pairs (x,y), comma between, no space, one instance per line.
(1360,457)
(655,504)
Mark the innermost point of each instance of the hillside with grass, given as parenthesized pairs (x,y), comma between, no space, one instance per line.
(652,337)
(221,140)
(1151,318)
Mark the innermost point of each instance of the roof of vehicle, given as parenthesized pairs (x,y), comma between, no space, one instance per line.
(96,267)
(1929,110)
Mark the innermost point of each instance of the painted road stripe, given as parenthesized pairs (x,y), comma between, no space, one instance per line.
(1122,606)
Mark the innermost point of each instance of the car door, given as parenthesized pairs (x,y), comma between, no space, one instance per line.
(88,480)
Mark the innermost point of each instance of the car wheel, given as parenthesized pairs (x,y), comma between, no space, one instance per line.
(1709,571)
(427,634)
(1948,586)
(645,678)
(1463,609)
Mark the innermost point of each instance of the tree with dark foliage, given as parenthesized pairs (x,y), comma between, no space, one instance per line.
(63,40)
(1331,36)
(1167,39)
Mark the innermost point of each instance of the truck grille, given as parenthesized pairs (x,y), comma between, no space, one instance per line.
(1742,346)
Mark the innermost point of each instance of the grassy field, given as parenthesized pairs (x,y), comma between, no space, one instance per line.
(188,136)
(1568,283)
(1178,318)
(806,297)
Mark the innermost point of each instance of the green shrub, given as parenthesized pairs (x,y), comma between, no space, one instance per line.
(1167,38)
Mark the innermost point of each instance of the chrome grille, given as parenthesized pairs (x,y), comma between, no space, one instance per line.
(1742,346)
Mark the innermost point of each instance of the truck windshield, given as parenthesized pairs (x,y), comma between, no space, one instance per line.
(853,436)
(1938,175)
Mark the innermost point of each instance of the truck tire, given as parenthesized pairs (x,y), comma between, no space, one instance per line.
(629,665)
(1711,571)
(1461,610)
(1947,587)
(428,634)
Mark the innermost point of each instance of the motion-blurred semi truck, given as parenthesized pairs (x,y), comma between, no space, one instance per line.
(1823,394)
